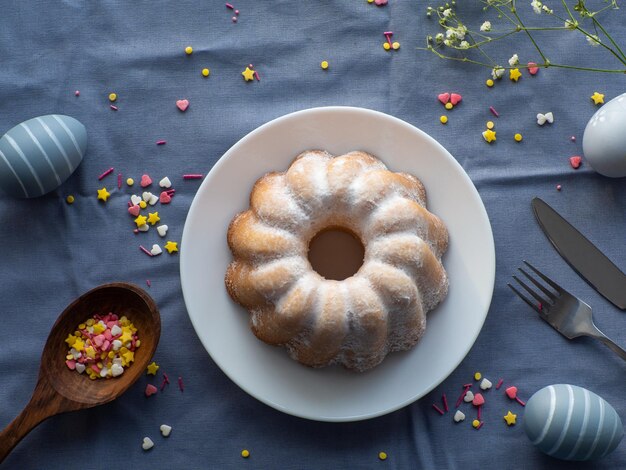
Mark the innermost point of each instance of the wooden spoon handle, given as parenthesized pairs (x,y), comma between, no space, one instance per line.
(44,403)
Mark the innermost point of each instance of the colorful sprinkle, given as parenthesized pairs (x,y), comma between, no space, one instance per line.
(181,385)
(558,187)
(77,93)
(130,181)
(150,390)
(444,400)
(103,194)
(532,68)
(145,250)
(188,50)
(443,119)
(113,107)
(476,423)
(490,125)
(106,173)
(499,384)
(455,98)
(477,376)
(161,142)
(206,72)
(248,74)
(69,199)
(112,97)
(382,455)
(324,65)
(245,453)
(489,82)
(575,161)
(459,416)
(448,106)
(229,6)
(518,137)
(165,430)
(437,409)
(598,98)
(182,105)
(443,98)
(573,138)
(192,177)
(395,45)
(153,218)
(147,443)
(119,181)
(171,247)
(543,118)
(485,384)
(148,283)
(514,75)
(493,111)
(152,368)
(510,418)
(489,135)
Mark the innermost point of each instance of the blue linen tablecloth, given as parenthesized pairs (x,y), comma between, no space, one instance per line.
(50,252)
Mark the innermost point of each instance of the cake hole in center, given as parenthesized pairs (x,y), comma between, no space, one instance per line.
(336,253)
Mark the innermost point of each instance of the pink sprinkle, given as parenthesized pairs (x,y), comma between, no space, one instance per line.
(388,33)
(236,12)
(148,283)
(166,378)
(144,249)
(573,138)
(106,173)
(119,181)
(479,413)
(192,177)
(493,111)
(439,410)
(520,401)
(181,385)
(234,19)
(161,142)
(77,93)
(137,231)
(500,382)
(445,402)
(71,364)
(466,387)
(170,191)
(228,5)
(113,107)
(256,75)
(251,66)
(480,425)
(575,161)
(150,390)
(558,187)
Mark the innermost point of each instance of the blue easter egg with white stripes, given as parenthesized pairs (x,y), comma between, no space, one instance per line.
(38,155)
(572,423)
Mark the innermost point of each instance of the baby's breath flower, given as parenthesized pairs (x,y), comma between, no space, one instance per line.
(497,72)
(447,42)
(547,10)
(464,45)
(447,12)
(439,37)
(514,60)
(536,4)
(486,26)
(593,40)
(569,24)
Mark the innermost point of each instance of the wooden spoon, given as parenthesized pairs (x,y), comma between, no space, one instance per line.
(60,389)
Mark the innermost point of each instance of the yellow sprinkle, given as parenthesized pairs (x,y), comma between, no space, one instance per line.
(370,1)
(478,376)
(111,354)
(245,453)
(396,45)
(490,124)
(443,119)
(112,97)
(386,46)
(448,105)
(81,326)
(324,64)
(89,322)
(475,423)
(518,137)
(489,83)
(69,199)
(143,204)
(188,50)
(130,181)
(382,455)
(69,356)
(205,72)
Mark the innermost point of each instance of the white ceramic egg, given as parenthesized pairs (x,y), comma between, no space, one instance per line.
(572,423)
(604,140)
(38,155)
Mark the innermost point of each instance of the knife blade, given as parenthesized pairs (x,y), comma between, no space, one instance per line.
(582,255)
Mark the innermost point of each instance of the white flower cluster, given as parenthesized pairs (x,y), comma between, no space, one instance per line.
(486,26)
(497,72)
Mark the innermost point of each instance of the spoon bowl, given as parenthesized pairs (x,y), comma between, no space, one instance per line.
(60,389)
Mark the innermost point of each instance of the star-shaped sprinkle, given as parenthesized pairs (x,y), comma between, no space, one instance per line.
(171,246)
(489,135)
(248,74)
(153,368)
(598,98)
(126,336)
(70,340)
(153,218)
(141,220)
(79,344)
(515,74)
(128,357)
(510,418)
(103,194)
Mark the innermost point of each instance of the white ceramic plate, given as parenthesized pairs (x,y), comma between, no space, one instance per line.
(266,372)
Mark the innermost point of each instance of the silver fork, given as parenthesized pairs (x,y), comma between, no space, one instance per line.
(566,313)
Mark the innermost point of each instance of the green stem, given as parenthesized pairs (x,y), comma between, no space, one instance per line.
(530,36)
(597,23)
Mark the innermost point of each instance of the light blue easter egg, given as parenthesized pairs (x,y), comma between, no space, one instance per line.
(38,155)
(571,423)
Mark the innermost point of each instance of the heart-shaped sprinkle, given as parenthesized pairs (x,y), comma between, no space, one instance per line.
(117,370)
(135,200)
(165,183)
(532,68)
(162,230)
(443,97)
(469,396)
(156,250)
(150,390)
(146,195)
(117,344)
(143,228)
(165,430)
(182,105)
(147,443)
(455,98)
(98,340)
(153,199)
(511,392)
(478,400)
(485,384)
(80,368)
(459,416)
(381,3)
(145,181)
(575,161)
(165,198)
(134,210)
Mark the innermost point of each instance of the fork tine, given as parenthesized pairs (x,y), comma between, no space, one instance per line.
(552,284)
(531,291)
(524,298)
(536,283)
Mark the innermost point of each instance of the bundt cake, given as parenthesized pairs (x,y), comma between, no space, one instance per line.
(357,321)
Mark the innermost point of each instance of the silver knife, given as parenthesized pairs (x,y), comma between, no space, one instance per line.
(582,255)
